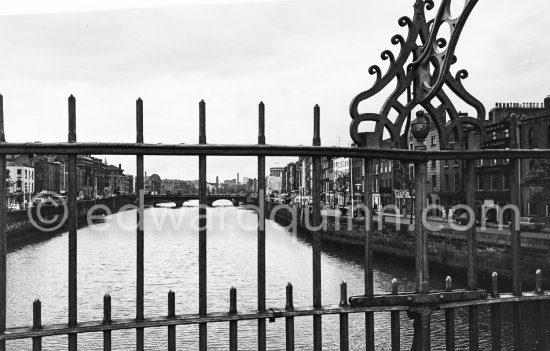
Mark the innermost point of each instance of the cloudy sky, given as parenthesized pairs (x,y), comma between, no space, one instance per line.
(234,54)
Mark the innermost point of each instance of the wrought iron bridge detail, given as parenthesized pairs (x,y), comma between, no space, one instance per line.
(428,72)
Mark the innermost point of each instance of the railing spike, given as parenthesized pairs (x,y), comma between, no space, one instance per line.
(343,294)
(394,286)
(494,283)
(171,304)
(538,282)
(233,300)
(107,309)
(289,299)
(448,284)
(37,314)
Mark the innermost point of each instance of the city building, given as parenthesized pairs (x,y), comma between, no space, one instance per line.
(20,183)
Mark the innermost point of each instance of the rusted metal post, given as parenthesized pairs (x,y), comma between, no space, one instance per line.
(395,323)
(419,129)
(107,320)
(515,239)
(289,321)
(202,229)
(368,251)
(473,315)
(72,226)
(449,320)
(3,238)
(261,229)
(140,225)
(36,324)
(422,273)
(233,323)
(344,318)
(539,313)
(495,315)
(317,327)
(171,314)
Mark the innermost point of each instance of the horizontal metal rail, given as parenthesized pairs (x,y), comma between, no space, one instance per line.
(217,317)
(263,150)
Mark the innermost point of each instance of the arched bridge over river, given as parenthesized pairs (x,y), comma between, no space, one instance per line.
(179,200)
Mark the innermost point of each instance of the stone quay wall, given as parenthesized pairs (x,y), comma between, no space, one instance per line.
(20,227)
(447,248)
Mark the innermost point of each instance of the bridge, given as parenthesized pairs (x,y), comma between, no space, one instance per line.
(179,200)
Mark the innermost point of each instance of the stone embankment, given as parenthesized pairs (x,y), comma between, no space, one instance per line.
(22,225)
(447,247)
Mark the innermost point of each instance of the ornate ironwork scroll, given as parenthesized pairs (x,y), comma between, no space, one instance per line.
(429,72)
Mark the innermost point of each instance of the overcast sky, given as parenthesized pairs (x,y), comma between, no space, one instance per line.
(234,54)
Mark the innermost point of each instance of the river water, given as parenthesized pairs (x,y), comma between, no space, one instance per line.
(106,264)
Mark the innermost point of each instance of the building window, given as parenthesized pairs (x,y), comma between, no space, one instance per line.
(434,181)
(447,185)
(19,171)
(493,182)
(446,163)
(456,163)
(479,182)
(505,182)
(531,165)
(434,141)
(532,138)
(457,182)
(506,133)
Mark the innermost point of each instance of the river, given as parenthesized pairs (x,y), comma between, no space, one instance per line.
(106,264)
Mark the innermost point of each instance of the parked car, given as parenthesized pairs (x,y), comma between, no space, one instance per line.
(464,219)
(531,223)
(14,207)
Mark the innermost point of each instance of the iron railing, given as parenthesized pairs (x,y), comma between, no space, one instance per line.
(419,304)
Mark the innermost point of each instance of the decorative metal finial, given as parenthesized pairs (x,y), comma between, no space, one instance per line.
(428,73)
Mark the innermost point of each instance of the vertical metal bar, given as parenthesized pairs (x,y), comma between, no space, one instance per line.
(473,314)
(423,314)
(3,239)
(539,313)
(395,323)
(289,321)
(344,318)
(202,228)
(36,324)
(261,229)
(107,320)
(171,314)
(422,274)
(72,226)
(495,315)
(368,251)
(449,320)
(140,226)
(233,323)
(317,326)
(515,238)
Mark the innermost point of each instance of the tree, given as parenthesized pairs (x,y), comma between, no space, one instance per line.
(341,183)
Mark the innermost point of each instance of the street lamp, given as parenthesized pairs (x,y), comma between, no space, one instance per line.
(420,128)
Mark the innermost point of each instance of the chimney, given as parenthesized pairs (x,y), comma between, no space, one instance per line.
(119,166)
(547,102)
